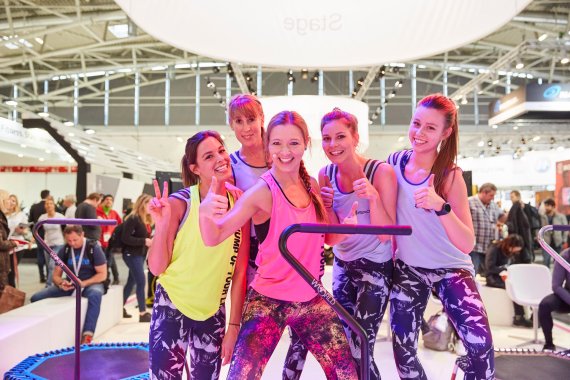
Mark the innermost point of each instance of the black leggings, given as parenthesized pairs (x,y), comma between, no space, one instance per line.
(549,304)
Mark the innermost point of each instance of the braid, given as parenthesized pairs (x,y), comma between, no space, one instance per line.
(316,200)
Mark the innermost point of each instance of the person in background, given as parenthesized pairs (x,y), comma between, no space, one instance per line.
(105,211)
(69,202)
(19,229)
(53,235)
(87,260)
(558,301)
(88,210)
(517,223)
(432,199)
(136,240)
(36,210)
(485,215)
(555,239)
(498,257)
(189,312)
(5,245)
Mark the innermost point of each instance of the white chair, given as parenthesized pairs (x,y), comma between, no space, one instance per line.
(527,285)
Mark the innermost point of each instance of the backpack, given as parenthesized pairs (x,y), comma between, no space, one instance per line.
(441,334)
(534,222)
(89,250)
(115,241)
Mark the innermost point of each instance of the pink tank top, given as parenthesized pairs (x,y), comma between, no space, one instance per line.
(275,278)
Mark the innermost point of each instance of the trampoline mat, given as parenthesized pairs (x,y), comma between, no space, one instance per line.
(106,361)
(522,367)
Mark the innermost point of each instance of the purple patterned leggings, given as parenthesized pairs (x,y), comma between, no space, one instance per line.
(315,323)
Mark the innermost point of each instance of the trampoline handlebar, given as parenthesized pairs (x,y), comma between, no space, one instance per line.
(69,272)
(548,249)
(319,288)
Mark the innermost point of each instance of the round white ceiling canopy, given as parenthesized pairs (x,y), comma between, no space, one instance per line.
(319,33)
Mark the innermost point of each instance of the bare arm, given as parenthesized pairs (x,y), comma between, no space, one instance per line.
(238,291)
(383,210)
(99,276)
(458,223)
(217,224)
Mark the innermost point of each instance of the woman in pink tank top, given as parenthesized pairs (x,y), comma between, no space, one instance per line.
(278,297)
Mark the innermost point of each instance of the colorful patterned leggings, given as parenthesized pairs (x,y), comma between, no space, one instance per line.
(462,303)
(172,333)
(317,325)
(362,287)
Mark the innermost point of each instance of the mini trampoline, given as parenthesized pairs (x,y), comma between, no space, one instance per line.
(98,361)
(520,363)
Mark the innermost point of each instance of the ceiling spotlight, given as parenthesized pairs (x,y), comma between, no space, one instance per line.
(11,103)
(464,100)
(90,131)
(353,94)
(210,84)
(315,77)
(519,65)
(490,143)
(481,143)
(392,94)
(215,69)
(305,74)
(360,81)
(552,140)
(536,138)
(564,60)
(398,84)
(68,123)
(523,140)
(290,76)
(248,77)
(374,116)
(543,37)
(494,126)
(515,127)
(43,114)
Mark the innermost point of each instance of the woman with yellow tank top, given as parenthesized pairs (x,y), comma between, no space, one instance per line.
(194,280)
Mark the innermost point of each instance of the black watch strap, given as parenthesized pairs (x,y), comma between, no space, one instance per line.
(445,209)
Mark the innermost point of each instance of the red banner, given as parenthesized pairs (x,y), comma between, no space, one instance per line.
(38,169)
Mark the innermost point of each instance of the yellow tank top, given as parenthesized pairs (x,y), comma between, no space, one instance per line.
(198,277)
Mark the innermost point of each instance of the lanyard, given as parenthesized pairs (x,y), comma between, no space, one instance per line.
(75,266)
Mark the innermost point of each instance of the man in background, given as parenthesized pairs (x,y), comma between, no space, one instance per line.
(485,214)
(36,211)
(88,210)
(555,239)
(105,211)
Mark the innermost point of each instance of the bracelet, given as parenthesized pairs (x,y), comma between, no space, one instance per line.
(234,324)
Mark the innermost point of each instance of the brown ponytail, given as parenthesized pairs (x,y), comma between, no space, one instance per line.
(315,199)
(445,161)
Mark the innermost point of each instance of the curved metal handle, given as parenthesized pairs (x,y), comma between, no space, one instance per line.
(318,286)
(559,259)
(69,272)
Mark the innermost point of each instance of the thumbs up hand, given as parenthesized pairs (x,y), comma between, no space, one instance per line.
(351,217)
(427,198)
(214,205)
(327,193)
(364,189)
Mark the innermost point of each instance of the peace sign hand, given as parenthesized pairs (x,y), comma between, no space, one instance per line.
(214,205)
(158,207)
(327,193)
(351,217)
(427,198)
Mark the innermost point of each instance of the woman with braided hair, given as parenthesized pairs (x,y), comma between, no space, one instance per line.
(278,296)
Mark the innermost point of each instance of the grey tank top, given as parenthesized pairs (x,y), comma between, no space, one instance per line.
(428,246)
(245,175)
(356,247)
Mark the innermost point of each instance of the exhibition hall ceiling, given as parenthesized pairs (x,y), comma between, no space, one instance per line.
(70,57)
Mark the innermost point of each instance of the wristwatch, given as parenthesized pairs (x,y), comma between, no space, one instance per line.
(445,209)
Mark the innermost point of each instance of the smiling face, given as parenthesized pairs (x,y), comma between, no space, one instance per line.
(427,129)
(286,147)
(212,159)
(247,129)
(338,141)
